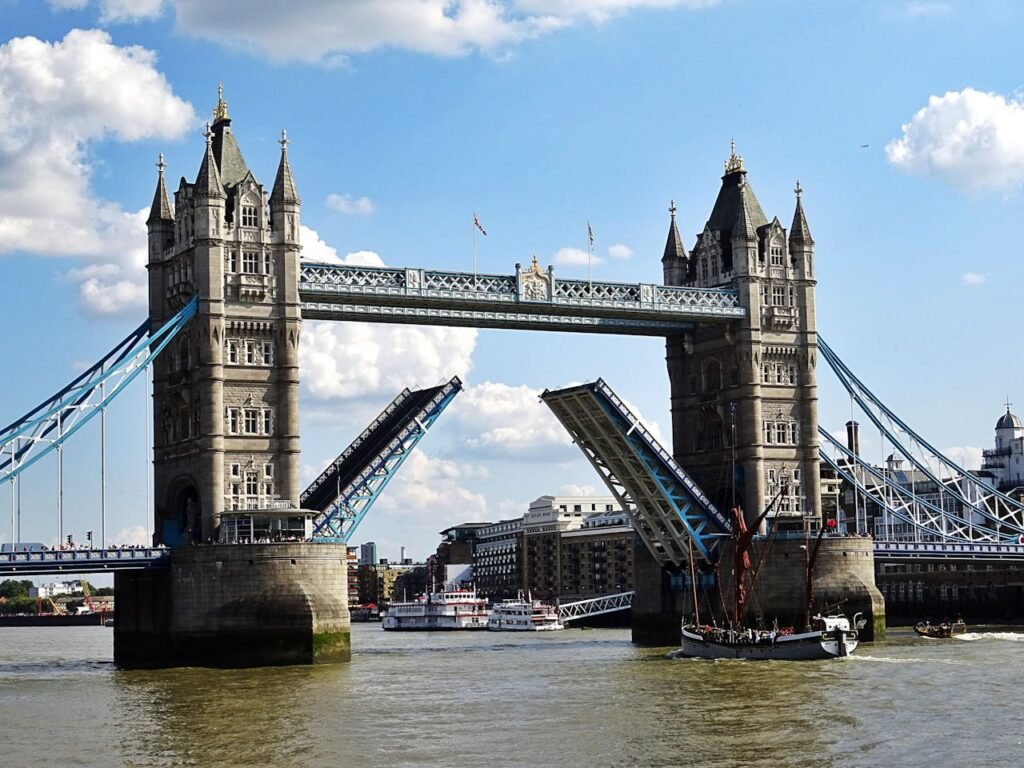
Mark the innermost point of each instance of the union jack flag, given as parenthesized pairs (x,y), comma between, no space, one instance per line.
(476,223)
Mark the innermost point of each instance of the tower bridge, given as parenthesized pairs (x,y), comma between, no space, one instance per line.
(228,293)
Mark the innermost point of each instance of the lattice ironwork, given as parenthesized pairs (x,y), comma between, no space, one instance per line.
(905,550)
(965,498)
(53,422)
(347,507)
(581,609)
(53,561)
(468,283)
(498,301)
(667,509)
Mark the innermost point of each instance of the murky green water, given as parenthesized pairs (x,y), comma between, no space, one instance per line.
(575,698)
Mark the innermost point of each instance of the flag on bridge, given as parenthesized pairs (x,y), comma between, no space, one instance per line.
(590,234)
(476,223)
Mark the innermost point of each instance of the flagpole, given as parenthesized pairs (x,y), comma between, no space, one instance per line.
(590,257)
(473,227)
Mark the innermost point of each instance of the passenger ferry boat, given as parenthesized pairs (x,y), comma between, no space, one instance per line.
(450,609)
(524,616)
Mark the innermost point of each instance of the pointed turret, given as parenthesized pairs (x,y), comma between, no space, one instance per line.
(230,163)
(208,183)
(737,213)
(160,223)
(284,186)
(284,200)
(800,233)
(675,261)
(161,209)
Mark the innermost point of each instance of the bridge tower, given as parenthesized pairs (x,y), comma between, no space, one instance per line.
(225,395)
(225,411)
(748,388)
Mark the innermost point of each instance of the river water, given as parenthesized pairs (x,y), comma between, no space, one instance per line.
(572,698)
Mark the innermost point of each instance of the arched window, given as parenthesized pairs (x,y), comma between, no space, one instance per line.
(713,376)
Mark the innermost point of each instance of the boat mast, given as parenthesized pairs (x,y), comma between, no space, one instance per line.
(693,582)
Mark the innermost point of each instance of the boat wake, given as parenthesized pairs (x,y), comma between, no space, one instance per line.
(1013,637)
(893,660)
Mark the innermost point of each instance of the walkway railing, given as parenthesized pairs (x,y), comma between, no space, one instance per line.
(581,609)
(82,560)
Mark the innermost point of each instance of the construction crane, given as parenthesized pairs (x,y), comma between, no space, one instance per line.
(88,598)
(56,610)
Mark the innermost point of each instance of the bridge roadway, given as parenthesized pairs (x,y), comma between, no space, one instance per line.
(60,561)
(529,299)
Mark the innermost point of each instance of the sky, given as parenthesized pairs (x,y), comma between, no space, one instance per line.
(903,121)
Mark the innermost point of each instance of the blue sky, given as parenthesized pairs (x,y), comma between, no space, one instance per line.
(405,117)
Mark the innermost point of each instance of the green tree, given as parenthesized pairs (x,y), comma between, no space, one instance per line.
(10,588)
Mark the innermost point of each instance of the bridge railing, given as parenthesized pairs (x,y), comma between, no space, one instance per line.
(528,289)
(82,560)
(981,551)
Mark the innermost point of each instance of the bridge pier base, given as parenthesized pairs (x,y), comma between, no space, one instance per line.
(245,605)
(657,612)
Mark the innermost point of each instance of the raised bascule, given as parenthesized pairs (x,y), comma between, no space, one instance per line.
(249,569)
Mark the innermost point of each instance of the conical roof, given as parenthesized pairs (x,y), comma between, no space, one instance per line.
(161,209)
(284,185)
(208,180)
(1009,421)
(674,248)
(800,232)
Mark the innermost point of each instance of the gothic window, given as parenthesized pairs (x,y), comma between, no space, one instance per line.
(766,373)
(764,295)
(780,434)
(268,470)
(792,374)
(232,261)
(250,263)
(714,267)
(266,263)
(793,433)
(778,374)
(778,295)
(251,421)
(704,269)
(792,296)
(268,422)
(776,253)
(236,470)
(268,353)
(233,352)
(713,377)
(250,353)
(768,432)
(248,215)
(233,421)
(252,483)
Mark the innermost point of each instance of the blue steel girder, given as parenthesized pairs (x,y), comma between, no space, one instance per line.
(342,516)
(529,299)
(668,510)
(31,437)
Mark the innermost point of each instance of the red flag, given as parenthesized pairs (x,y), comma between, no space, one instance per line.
(476,222)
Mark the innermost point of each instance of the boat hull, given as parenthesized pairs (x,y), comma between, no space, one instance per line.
(805,646)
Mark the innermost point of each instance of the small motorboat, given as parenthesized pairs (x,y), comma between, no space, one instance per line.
(938,631)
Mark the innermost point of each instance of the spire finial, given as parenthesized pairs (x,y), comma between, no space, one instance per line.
(220,112)
(735,162)
(798,190)
(672,208)
(283,141)
(160,164)
(1008,403)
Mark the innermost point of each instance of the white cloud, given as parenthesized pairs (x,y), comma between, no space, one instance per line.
(351,206)
(134,535)
(920,8)
(572,489)
(429,490)
(968,138)
(574,257)
(966,456)
(620,251)
(354,360)
(503,421)
(327,31)
(55,99)
(973,278)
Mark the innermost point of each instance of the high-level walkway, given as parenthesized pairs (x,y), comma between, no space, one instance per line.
(56,561)
(530,299)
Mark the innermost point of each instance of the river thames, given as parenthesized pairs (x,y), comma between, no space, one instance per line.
(583,698)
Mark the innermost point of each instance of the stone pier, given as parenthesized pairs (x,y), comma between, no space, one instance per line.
(242,605)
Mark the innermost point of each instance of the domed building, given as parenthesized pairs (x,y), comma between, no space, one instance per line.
(1005,462)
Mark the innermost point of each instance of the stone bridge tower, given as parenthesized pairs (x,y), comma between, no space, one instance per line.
(748,390)
(225,392)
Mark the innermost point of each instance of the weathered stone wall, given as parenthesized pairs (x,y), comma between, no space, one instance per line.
(236,606)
